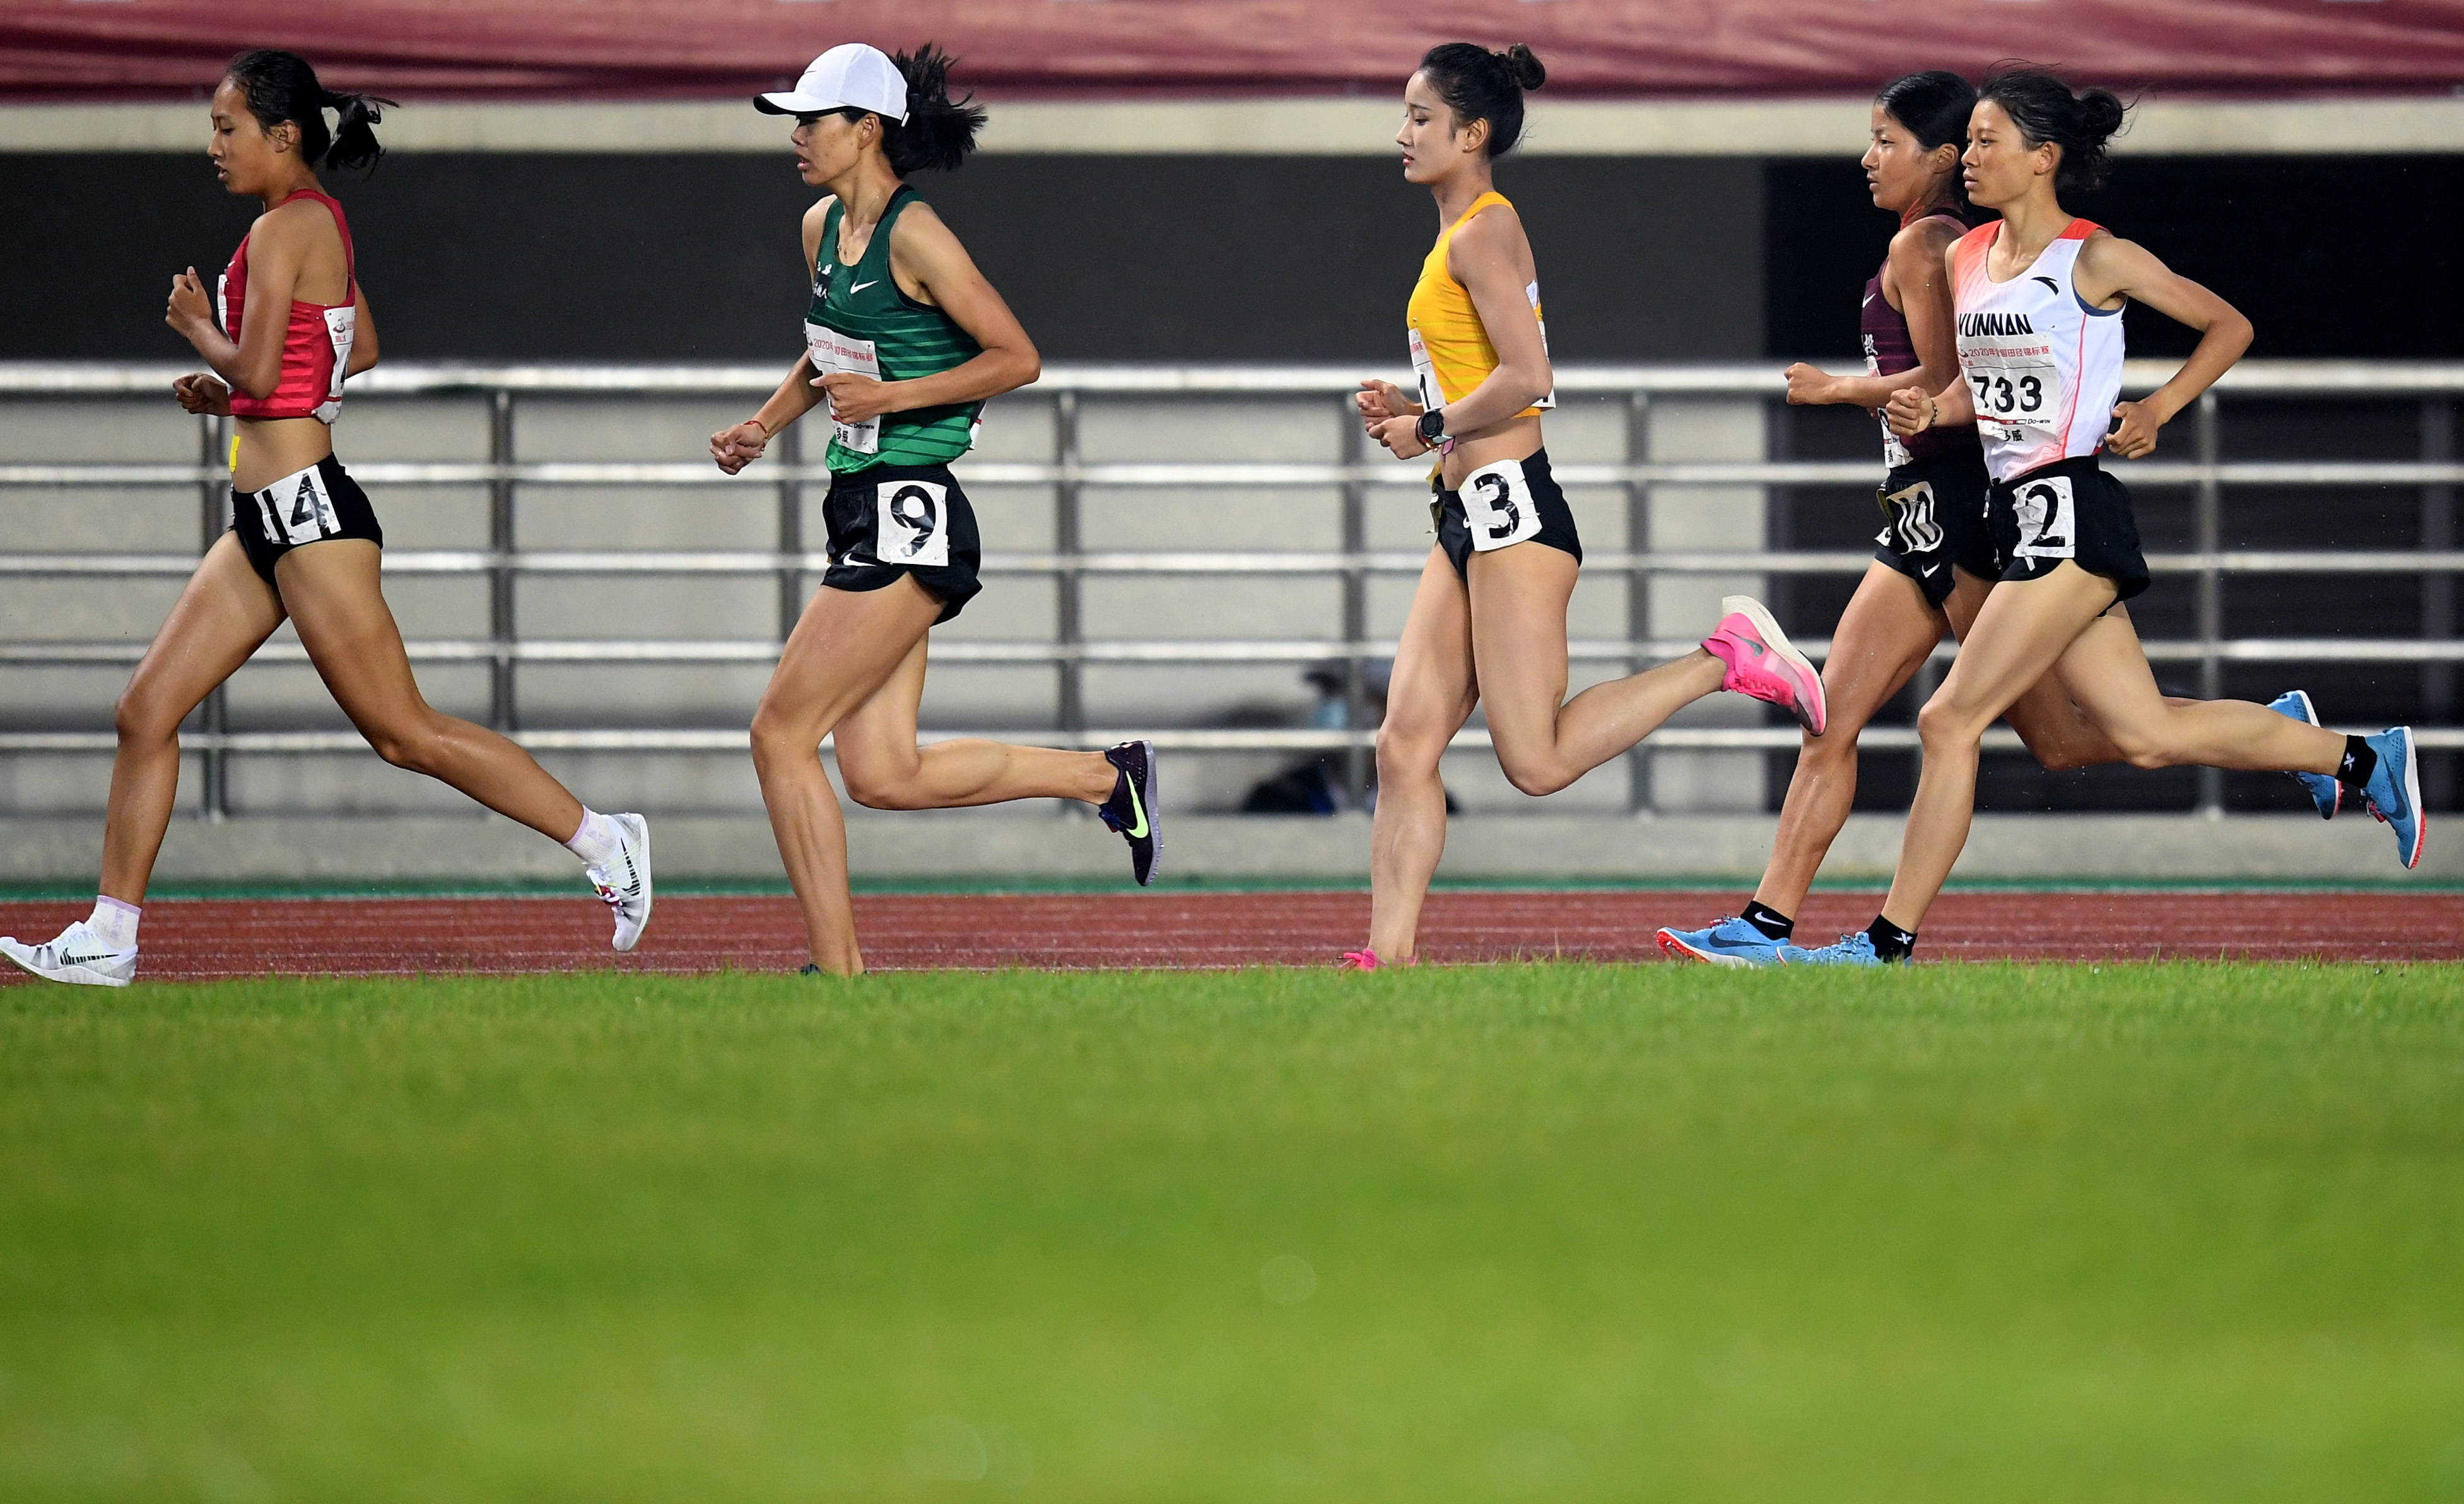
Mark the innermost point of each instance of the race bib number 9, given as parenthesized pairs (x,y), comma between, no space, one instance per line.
(2048,522)
(1498,506)
(911,523)
(831,351)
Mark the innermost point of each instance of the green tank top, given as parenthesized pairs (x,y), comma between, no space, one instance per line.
(860,321)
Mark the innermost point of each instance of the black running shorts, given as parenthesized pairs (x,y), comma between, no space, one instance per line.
(2069,510)
(1511,502)
(1934,518)
(894,519)
(314,505)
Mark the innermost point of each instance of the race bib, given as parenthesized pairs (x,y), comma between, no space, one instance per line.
(2047,520)
(297,510)
(2014,394)
(1424,374)
(832,351)
(1913,528)
(911,523)
(342,327)
(1531,295)
(1498,506)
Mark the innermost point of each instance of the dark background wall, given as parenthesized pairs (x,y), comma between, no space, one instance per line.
(1144,257)
(695,258)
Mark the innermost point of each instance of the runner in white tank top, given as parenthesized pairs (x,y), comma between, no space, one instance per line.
(2035,296)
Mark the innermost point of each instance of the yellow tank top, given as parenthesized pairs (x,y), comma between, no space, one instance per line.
(1450,349)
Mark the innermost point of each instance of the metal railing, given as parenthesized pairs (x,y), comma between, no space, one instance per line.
(2436,471)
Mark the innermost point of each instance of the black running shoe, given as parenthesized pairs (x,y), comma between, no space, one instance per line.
(1130,811)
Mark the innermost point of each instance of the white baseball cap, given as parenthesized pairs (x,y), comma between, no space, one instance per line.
(850,74)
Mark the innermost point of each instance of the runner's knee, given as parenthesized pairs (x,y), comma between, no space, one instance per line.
(142,717)
(1406,752)
(407,744)
(1942,722)
(1534,774)
(877,786)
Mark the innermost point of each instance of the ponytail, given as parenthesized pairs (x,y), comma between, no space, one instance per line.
(280,86)
(939,131)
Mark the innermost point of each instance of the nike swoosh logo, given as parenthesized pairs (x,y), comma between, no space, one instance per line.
(80,961)
(861,286)
(1869,301)
(1138,831)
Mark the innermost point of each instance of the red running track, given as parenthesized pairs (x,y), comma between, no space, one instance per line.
(203,938)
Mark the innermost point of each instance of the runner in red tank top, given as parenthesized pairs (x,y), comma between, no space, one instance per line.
(304,544)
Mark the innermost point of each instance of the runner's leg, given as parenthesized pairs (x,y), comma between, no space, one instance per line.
(1431,697)
(224,614)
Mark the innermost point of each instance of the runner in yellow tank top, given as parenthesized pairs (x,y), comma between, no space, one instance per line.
(1488,626)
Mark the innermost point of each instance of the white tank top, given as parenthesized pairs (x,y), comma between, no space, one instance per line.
(2044,368)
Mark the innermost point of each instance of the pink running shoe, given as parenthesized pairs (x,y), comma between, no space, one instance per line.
(1366,960)
(1761,662)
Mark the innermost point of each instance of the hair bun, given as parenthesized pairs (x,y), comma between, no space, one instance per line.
(1522,66)
(2102,112)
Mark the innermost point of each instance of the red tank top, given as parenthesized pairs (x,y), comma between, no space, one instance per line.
(316,344)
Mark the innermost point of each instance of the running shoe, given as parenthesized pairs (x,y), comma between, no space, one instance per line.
(1130,811)
(2324,792)
(1856,948)
(623,884)
(75,958)
(1366,960)
(2394,791)
(1730,943)
(1763,664)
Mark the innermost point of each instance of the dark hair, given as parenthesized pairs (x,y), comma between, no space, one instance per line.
(2046,111)
(1934,106)
(1477,84)
(280,86)
(939,131)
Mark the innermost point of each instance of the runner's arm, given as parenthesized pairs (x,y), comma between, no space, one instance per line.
(2111,266)
(1483,259)
(254,367)
(732,449)
(1919,269)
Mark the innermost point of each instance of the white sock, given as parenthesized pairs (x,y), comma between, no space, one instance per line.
(598,840)
(113,922)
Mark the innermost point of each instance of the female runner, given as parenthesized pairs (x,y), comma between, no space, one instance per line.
(2038,299)
(1936,559)
(1488,623)
(289,321)
(905,339)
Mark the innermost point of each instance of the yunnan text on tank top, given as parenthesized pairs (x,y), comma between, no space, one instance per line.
(859,320)
(2044,368)
(1450,349)
(315,341)
(1890,350)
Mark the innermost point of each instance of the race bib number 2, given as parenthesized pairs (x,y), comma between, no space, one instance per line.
(1498,506)
(911,523)
(831,351)
(2047,522)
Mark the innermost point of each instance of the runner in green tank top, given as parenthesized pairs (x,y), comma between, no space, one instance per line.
(905,340)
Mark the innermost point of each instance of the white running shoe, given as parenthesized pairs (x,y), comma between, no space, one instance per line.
(623,884)
(75,958)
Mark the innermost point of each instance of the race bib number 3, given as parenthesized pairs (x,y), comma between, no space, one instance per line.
(1498,506)
(832,351)
(2048,522)
(1425,373)
(911,523)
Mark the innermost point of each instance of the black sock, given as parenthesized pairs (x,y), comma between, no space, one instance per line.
(1774,924)
(1890,941)
(2359,762)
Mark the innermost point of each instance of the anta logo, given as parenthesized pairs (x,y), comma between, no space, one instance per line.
(1994,325)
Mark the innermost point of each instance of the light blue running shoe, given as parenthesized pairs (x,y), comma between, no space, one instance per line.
(1856,948)
(2394,791)
(1730,943)
(2324,792)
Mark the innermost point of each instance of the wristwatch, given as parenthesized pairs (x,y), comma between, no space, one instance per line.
(1432,429)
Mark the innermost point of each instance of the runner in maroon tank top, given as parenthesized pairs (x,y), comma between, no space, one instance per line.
(1936,559)
(289,323)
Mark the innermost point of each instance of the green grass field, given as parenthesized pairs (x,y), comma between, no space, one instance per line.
(1555,1232)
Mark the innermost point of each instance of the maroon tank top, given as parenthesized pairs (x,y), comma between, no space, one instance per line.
(1889,351)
